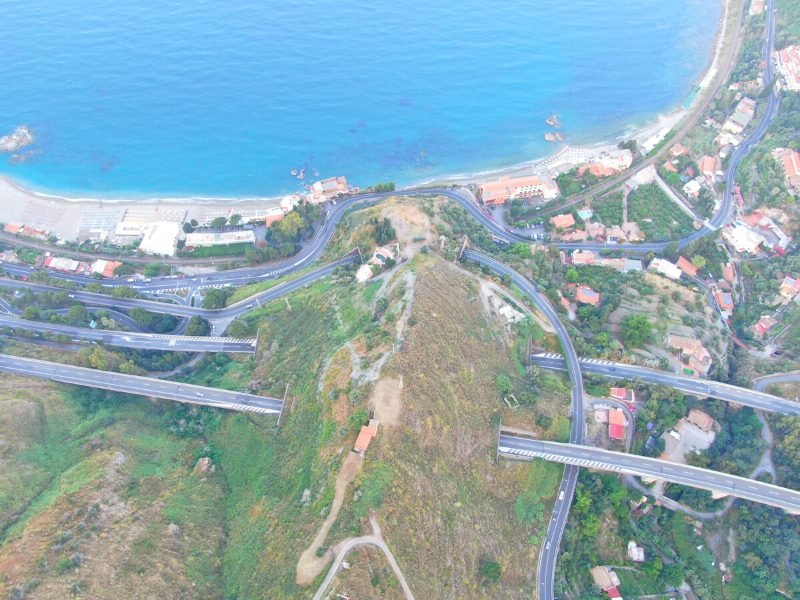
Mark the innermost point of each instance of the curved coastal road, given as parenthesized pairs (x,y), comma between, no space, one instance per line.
(566,490)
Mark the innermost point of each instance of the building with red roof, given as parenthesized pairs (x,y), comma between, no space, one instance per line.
(765,323)
(365,436)
(687,267)
(586,295)
(725,301)
(562,221)
(616,424)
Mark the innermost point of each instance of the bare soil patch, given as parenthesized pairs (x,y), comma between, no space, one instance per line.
(387,400)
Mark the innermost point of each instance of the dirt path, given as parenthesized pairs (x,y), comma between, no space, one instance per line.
(310,565)
(376,539)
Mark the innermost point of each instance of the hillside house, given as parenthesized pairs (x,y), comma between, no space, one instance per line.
(765,323)
(695,359)
(562,222)
(586,295)
(686,266)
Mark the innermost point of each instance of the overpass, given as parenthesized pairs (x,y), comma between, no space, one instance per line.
(721,484)
(136,340)
(140,386)
(699,387)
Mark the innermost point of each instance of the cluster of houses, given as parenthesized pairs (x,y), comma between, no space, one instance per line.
(788,64)
(582,258)
(704,174)
(564,227)
(543,187)
(788,291)
(758,233)
(615,417)
(99,268)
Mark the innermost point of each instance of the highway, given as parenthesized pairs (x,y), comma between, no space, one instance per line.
(620,462)
(139,341)
(140,386)
(566,490)
(761,383)
(181,310)
(699,387)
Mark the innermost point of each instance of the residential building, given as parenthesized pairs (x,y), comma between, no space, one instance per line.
(635,552)
(756,7)
(692,188)
(728,273)
(327,189)
(586,295)
(773,236)
(584,257)
(616,235)
(205,238)
(711,169)
(597,169)
(595,230)
(665,268)
(57,263)
(702,419)
(678,150)
(384,253)
(160,237)
(365,437)
(564,221)
(765,323)
(624,394)
(724,301)
(742,239)
(364,273)
(579,235)
(687,267)
(510,188)
(604,577)
(789,287)
(788,63)
(273,215)
(789,160)
(105,268)
(741,117)
(695,359)
(13,228)
(616,424)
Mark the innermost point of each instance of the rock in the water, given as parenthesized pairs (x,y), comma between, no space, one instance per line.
(21,137)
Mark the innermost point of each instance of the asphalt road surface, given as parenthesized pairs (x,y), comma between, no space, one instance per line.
(140,386)
(140,341)
(690,385)
(566,490)
(595,458)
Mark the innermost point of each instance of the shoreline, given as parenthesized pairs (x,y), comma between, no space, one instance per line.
(13,193)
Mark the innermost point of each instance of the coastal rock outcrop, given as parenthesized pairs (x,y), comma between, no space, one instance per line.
(21,137)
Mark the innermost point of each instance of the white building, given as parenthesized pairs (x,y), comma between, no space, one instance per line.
(217,238)
(665,268)
(160,237)
(743,239)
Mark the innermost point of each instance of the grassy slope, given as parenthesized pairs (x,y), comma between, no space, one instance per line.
(100,489)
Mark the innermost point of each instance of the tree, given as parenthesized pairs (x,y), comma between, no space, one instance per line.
(77,314)
(219,222)
(503,383)
(699,261)
(216,298)
(197,326)
(291,225)
(490,570)
(187,227)
(572,275)
(235,219)
(636,330)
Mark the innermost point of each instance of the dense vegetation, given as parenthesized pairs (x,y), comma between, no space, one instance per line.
(658,216)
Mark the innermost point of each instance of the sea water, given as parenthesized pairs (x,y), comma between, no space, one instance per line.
(143,98)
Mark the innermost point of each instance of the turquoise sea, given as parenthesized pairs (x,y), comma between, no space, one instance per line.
(144,98)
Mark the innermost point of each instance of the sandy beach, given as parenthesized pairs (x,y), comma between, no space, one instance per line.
(63,216)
